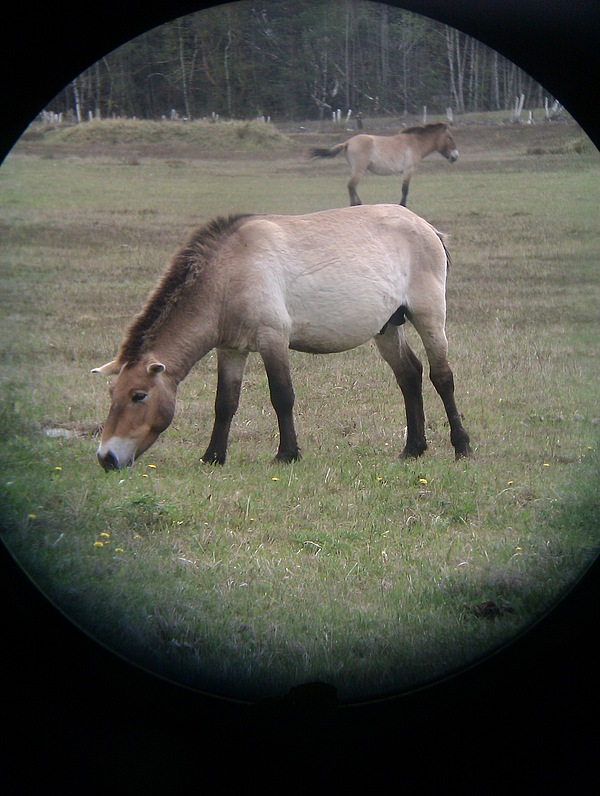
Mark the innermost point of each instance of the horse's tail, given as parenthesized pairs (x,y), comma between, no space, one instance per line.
(443,239)
(328,152)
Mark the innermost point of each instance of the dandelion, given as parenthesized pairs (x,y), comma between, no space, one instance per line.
(119,550)
(58,468)
(105,534)
(510,483)
(275,478)
(98,544)
(379,478)
(422,480)
(152,466)
(32,516)
(144,475)
(546,464)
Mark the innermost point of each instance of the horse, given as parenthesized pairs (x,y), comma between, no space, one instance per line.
(319,283)
(391,154)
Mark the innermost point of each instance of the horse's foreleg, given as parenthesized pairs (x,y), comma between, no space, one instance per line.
(230,372)
(405,184)
(277,366)
(408,370)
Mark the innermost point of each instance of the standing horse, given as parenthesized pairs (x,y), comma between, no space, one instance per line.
(391,154)
(319,283)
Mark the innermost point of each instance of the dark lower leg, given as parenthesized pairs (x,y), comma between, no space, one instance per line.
(411,384)
(443,381)
(354,197)
(229,384)
(408,371)
(404,192)
(282,398)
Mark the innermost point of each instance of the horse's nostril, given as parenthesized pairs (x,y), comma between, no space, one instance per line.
(108,461)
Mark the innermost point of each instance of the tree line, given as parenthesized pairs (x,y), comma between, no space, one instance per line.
(292,61)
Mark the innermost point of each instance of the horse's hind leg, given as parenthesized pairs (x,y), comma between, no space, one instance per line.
(436,345)
(354,197)
(408,371)
(230,372)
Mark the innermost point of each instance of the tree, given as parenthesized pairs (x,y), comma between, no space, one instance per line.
(290,61)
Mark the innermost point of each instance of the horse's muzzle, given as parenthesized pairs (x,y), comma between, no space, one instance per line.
(108,461)
(453,156)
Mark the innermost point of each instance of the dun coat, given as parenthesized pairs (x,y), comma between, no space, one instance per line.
(318,283)
(394,154)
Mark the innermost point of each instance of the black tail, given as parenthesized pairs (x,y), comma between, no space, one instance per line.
(325,152)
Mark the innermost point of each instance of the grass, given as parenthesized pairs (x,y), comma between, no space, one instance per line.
(349,566)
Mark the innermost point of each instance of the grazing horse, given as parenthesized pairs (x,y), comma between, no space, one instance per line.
(391,154)
(318,283)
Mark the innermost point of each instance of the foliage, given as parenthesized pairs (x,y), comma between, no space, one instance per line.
(295,61)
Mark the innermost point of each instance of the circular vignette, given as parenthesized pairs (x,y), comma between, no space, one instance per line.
(523,672)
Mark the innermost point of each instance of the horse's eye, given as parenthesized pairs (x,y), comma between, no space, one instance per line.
(139,396)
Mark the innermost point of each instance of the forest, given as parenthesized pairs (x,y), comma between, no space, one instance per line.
(291,61)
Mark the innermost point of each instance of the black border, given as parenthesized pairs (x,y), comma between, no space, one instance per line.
(77,716)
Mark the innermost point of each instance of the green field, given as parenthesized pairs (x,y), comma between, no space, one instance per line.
(350,566)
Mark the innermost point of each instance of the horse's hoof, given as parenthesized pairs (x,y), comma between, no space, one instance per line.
(287,457)
(412,453)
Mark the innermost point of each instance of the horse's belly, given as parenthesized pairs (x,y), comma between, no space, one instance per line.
(331,335)
(384,168)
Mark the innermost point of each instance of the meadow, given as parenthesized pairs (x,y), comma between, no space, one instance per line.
(350,566)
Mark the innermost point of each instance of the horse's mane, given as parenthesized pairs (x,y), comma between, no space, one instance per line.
(421,129)
(187,266)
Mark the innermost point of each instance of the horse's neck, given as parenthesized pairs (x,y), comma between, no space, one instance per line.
(181,350)
(427,146)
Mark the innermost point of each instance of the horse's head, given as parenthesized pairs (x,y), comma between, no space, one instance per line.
(143,405)
(446,145)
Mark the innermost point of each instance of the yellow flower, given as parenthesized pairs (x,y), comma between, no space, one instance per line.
(105,534)
(422,480)
(32,516)
(119,550)
(546,464)
(152,466)
(98,544)
(58,467)
(275,478)
(510,483)
(144,475)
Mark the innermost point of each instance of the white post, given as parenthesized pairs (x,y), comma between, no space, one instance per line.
(518,108)
(424,115)
(449,115)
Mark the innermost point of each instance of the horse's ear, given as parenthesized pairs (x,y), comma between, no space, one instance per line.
(110,369)
(154,368)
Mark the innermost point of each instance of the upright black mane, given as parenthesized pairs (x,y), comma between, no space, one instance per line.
(187,265)
(423,128)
